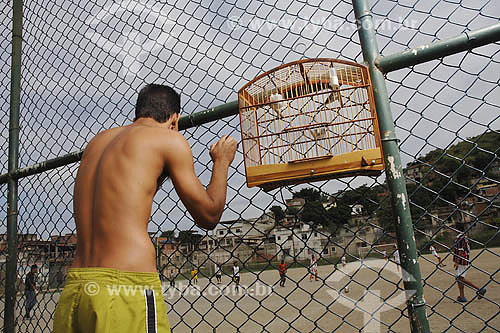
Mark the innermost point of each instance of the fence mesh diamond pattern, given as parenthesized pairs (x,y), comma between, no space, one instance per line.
(83,64)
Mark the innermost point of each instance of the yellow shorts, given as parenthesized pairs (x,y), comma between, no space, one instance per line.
(103,300)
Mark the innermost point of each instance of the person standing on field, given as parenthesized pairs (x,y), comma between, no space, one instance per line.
(172,279)
(397,260)
(461,255)
(282,270)
(313,269)
(218,273)
(30,290)
(236,275)
(435,254)
(194,276)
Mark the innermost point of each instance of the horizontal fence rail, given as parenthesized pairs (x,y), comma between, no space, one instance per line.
(185,122)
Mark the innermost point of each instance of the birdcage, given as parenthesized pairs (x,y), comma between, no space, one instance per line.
(309,120)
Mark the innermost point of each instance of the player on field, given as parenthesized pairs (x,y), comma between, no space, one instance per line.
(435,254)
(282,270)
(461,254)
(313,269)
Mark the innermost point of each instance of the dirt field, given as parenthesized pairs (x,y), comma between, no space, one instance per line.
(315,306)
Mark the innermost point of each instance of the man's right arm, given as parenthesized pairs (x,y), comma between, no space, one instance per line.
(204,205)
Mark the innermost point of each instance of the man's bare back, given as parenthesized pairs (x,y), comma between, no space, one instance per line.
(118,177)
(116,183)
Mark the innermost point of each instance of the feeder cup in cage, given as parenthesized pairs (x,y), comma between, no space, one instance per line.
(309,120)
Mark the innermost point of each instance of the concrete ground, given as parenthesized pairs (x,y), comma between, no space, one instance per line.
(323,305)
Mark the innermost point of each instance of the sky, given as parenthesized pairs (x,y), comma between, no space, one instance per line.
(84,62)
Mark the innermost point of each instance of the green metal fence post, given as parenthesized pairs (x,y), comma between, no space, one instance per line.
(15,99)
(394,172)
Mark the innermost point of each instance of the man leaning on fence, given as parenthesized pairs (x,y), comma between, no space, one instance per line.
(461,255)
(121,170)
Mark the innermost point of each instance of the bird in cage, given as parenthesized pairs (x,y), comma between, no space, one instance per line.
(318,133)
(334,84)
(334,79)
(277,105)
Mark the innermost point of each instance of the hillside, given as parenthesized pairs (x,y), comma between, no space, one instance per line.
(468,158)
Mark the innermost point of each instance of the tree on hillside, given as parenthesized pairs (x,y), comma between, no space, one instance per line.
(363,195)
(340,214)
(315,212)
(446,189)
(169,234)
(385,216)
(421,200)
(310,194)
(278,213)
(292,211)
(466,157)
(189,237)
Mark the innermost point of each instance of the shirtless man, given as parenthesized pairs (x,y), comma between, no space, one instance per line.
(113,285)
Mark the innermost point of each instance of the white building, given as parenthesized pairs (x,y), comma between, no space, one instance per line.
(243,239)
(302,242)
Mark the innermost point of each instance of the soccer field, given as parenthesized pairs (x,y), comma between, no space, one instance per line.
(315,306)
(309,305)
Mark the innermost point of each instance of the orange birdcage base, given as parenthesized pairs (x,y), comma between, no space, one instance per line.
(269,177)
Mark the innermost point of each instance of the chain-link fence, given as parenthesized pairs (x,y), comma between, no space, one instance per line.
(82,66)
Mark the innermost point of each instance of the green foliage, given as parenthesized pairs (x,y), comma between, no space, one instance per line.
(169,234)
(363,195)
(189,237)
(340,214)
(278,213)
(292,211)
(487,238)
(452,172)
(447,190)
(445,238)
(477,152)
(313,211)
(333,228)
(421,198)
(310,194)
(386,217)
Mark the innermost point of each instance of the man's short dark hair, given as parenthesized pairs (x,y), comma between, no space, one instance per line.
(34,267)
(158,102)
